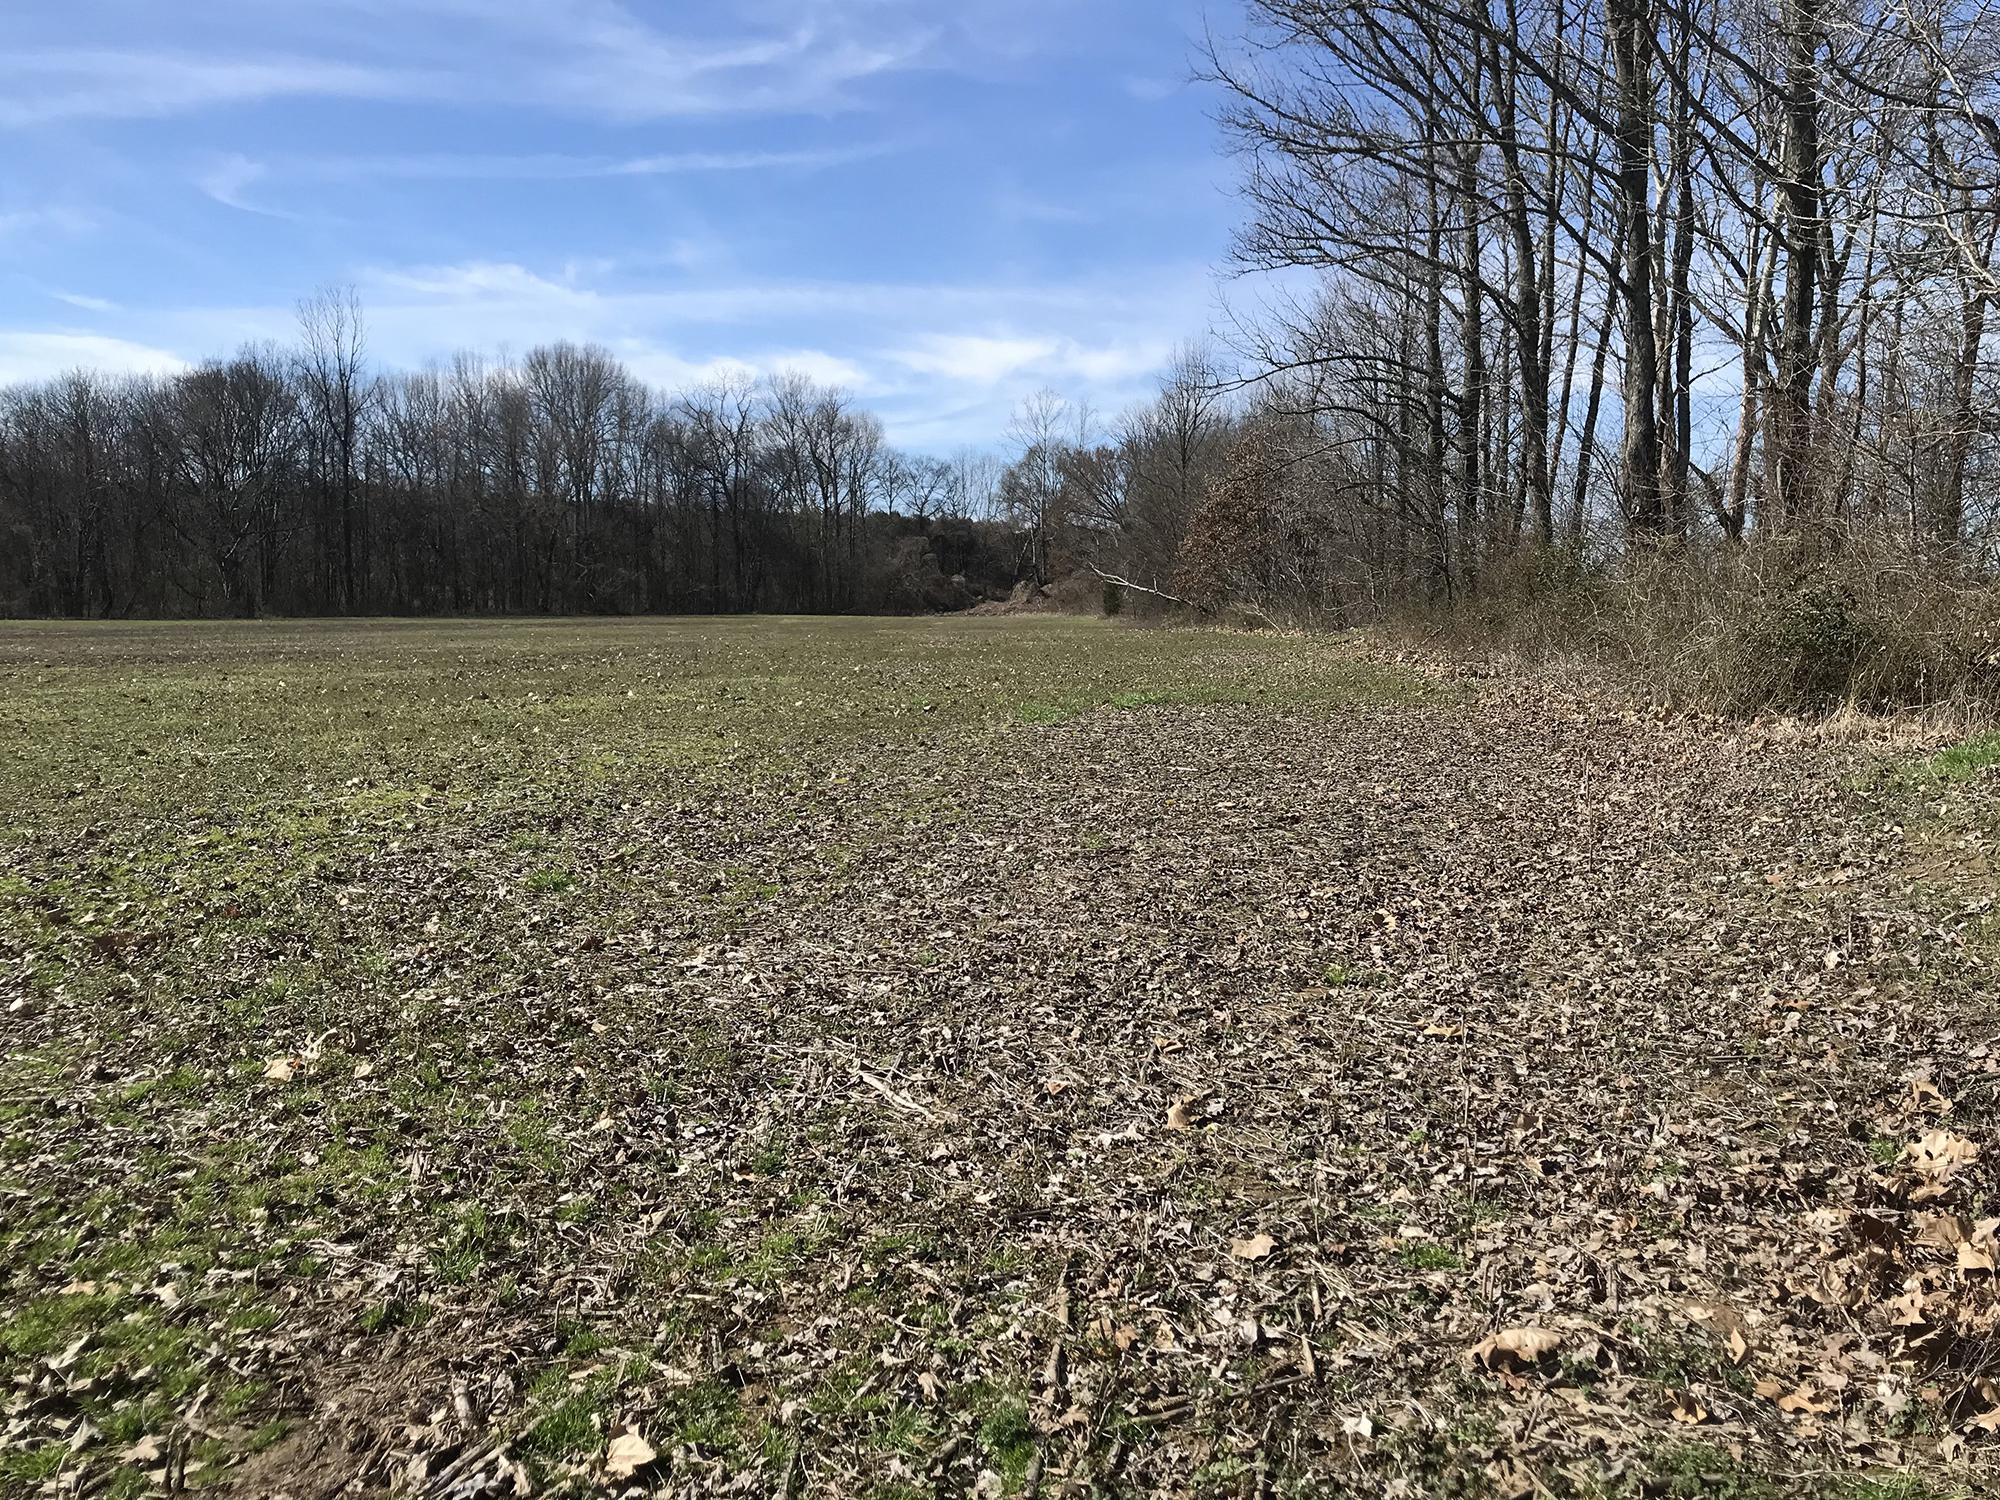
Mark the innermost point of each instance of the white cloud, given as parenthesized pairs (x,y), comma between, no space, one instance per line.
(45,85)
(26,356)
(621,65)
(973,358)
(592,57)
(557,167)
(665,370)
(978,359)
(228,180)
(87,303)
(55,220)
(484,279)
(1152,90)
(942,363)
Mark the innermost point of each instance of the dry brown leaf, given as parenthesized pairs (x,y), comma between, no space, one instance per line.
(1925,1095)
(1255,1248)
(1688,1409)
(1514,1347)
(1179,1118)
(627,1454)
(145,1451)
(282,1069)
(1944,1231)
(1939,1154)
(1804,1401)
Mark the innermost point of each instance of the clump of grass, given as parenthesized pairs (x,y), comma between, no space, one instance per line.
(1427,1257)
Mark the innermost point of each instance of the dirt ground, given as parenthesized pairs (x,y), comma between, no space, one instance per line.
(973,1057)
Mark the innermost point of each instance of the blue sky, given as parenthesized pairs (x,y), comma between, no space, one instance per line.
(942,204)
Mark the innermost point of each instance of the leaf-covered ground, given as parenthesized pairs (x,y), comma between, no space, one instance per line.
(973,1057)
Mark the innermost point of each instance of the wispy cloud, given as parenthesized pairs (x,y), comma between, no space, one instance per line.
(553,166)
(666,370)
(981,359)
(622,65)
(584,57)
(1151,90)
(87,303)
(44,356)
(40,86)
(51,220)
(229,179)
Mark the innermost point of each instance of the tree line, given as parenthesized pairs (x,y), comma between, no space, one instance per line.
(298,481)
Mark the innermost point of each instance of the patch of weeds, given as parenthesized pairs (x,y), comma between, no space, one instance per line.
(534,1137)
(778,1252)
(549,880)
(1008,1435)
(1894,1487)
(707,1416)
(1683,1359)
(30,1466)
(1035,712)
(1427,1257)
(1474,1212)
(1697,1471)
(1960,762)
(395,1313)
(571,1416)
(1884,1150)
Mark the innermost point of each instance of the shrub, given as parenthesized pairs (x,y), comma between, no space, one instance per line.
(1757,629)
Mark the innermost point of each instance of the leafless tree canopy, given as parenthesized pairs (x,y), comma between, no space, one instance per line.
(1583,280)
(302,482)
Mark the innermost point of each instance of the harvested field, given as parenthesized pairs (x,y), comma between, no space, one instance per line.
(1003,1056)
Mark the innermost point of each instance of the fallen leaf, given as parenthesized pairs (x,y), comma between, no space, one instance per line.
(1514,1347)
(1925,1095)
(282,1069)
(1940,1153)
(1359,1427)
(1255,1248)
(1179,1118)
(142,1452)
(1804,1401)
(627,1454)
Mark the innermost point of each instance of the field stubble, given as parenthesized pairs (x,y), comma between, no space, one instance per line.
(906,1058)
